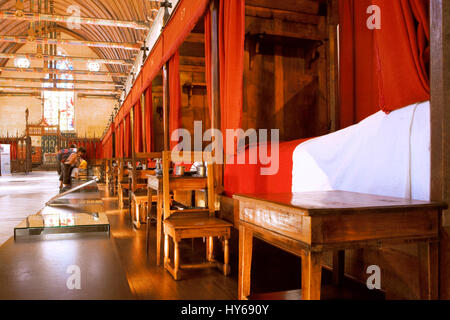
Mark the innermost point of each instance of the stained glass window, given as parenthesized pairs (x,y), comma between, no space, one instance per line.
(59,105)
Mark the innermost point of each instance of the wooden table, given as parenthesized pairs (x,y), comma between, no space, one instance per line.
(155,184)
(309,224)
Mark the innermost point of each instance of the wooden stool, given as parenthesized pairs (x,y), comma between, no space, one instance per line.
(190,228)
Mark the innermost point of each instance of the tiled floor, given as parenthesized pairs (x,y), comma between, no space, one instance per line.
(22,195)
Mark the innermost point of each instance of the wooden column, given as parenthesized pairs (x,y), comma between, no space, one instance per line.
(440,126)
(215,83)
(166,102)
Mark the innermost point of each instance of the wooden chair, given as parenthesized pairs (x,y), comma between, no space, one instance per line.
(192,223)
(123,183)
(138,197)
(139,200)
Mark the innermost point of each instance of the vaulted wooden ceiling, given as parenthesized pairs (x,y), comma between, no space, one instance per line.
(123,10)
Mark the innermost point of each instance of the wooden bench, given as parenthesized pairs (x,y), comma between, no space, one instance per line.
(309,224)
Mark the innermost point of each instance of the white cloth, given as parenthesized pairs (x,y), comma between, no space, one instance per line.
(385,154)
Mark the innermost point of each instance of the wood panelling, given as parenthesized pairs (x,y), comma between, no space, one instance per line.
(285,86)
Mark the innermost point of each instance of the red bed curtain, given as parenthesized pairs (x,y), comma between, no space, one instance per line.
(175,96)
(231,55)
(137,116)
(208,60)
(148,119)
(127,137)
(382,69)
(403,47)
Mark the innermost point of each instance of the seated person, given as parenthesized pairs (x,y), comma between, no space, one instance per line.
(62,156)
(69,165)
(80,170)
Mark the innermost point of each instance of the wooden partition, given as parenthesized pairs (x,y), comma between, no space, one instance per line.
(288,83)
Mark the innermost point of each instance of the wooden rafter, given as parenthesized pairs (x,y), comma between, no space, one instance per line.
(56,71)
(76,81)
(33,56)
(40,89)
(97,44)
(32,16)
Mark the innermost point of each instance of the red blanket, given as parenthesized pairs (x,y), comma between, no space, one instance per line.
(247,178)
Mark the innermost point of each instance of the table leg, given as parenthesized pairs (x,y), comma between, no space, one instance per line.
(158,226)
(429,270)
(245,262)
(226,258)
(149,214)
(338,267)
(311,275)
(176,259)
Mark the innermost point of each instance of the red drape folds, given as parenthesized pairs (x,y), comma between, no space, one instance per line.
(148,119)
(208,60)
(358,80)
(175,96)
(119,146)
(127,137)
(137,116)
(403,47)
(382,69)
(231,55)
(117,137)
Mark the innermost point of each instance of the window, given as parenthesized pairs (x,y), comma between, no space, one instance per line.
(59,105)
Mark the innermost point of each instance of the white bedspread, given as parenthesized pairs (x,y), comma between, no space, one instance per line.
(385,154)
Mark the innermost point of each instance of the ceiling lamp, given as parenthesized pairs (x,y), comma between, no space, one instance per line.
(94,66)
(22,63)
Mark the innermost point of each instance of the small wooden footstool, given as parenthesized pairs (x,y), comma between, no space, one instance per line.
(179,228)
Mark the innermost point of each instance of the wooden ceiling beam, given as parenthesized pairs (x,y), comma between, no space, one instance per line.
(97,44)
(40,89)
(33,56)
(42,80)
(56,71)
(32,16)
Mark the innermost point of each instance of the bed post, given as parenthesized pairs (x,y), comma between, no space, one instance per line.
(440,126)
(215,82)
(166,97)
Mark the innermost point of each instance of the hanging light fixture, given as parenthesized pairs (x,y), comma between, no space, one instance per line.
(93,66)
(22,63)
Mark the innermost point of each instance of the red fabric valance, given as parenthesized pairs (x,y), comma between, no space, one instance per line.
(148,119)
(175,97)
(183,20)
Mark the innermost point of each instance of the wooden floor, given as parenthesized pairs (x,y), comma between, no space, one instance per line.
(118,267)
(147,281)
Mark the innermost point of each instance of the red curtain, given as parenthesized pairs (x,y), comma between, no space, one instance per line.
(358,80)
(148,119)
(117,138)
(137,116)
(14,151)
(175,96)
(382,69)
(231,55)
(403,47)
(127,137)
(208,60)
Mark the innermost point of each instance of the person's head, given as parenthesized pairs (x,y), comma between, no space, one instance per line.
(72,146)
(81,151)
